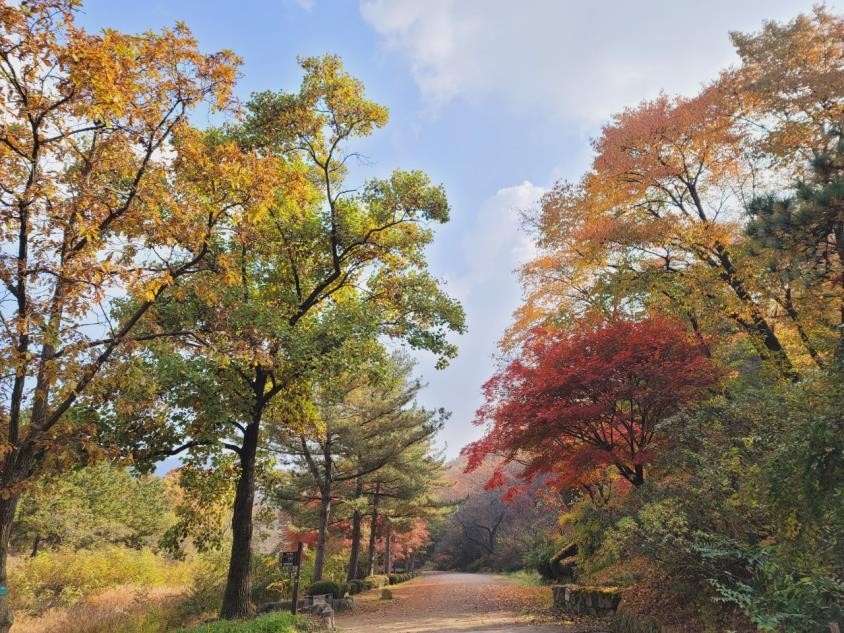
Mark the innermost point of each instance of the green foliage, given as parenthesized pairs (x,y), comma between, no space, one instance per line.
(271,623)
(376,581)
(395,579)
(336,589)
(91,507)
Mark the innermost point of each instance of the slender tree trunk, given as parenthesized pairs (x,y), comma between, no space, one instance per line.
(322,534)
(388,548)
(7,515)
(237,596)
(373,531)
(412,567)
(357,520)
(35,543)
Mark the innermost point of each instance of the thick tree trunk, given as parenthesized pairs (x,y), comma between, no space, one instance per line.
(357,520)
(237,597)
(7,515)
(322,534)
(373,532)
(388,548)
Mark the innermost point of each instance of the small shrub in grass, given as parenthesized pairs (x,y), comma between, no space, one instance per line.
(336,589)
(271,623)
(357,586)
(629,623)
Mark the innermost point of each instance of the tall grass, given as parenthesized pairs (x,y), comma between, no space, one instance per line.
(63,578)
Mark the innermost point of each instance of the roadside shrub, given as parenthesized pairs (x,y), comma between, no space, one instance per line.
(357,586)
(397,578)
(336,589)
(377,581)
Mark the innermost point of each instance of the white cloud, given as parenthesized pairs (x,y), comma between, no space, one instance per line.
(306,5)
(493,247)
(583,60)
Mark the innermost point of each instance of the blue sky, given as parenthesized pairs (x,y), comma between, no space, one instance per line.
(496,99)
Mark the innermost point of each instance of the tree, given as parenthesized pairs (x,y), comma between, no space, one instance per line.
(364,425)
(598,391)
(92,205)
(91,506)
(658,219)
(306,283)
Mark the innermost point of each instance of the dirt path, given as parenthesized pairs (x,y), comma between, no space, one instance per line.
(446,602)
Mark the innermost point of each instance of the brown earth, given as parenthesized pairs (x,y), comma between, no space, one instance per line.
(448,602)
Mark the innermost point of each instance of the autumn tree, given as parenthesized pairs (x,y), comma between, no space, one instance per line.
(658,220)
(95,202)
(294,291)
(598,391)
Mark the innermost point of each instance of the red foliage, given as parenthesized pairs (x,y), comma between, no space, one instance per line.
(574,403)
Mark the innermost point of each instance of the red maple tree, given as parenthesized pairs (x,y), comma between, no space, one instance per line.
(574,403)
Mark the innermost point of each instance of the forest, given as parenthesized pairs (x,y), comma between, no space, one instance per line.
(210,333)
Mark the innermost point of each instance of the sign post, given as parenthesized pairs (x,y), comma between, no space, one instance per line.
(293,562)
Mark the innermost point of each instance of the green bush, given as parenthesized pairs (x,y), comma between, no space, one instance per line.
(271,623)
(336,589)
(376,581)
(395,579)
(357,586)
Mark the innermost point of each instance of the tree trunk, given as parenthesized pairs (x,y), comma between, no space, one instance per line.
(412,562)
(388,548)
(35,543)
(7,515)
(354,555)
(237,597)
(373,532)
(322,534)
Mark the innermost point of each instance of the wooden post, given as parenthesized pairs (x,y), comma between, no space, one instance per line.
(294,605)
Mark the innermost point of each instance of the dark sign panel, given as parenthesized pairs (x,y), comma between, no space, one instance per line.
(289,559)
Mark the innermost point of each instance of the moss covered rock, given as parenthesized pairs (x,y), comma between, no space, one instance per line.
(583,600)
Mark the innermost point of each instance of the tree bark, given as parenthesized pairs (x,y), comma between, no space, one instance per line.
(7,515)
(373,531)
(322,534)
(35,544)
(388,548)
(237,597)
(357,520)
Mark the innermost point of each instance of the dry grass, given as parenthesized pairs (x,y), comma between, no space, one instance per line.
(119,610)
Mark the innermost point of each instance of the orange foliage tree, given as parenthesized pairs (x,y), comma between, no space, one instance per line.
(658,220)
(95,202)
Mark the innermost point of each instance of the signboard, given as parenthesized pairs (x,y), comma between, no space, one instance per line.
(289,559)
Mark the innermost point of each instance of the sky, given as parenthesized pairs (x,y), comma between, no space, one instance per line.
(495,99)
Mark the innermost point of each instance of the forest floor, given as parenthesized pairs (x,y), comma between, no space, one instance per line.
(448,602)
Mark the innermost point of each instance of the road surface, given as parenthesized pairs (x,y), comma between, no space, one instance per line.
(447,602)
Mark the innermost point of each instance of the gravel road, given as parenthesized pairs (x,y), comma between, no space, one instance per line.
(443,602)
